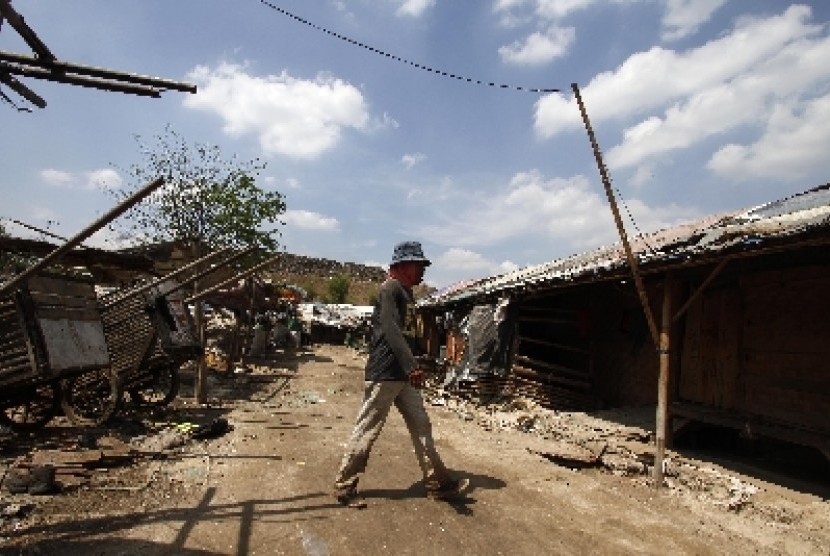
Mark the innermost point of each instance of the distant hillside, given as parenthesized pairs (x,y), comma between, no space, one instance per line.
(313,276)
(310,273)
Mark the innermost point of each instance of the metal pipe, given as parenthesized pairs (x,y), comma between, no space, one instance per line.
(120,209)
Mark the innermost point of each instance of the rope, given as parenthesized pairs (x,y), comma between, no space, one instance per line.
(385,54)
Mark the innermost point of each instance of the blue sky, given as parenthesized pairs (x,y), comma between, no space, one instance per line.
(700,106)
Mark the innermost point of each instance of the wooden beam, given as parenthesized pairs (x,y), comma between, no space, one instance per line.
(94,83)
(22,90)
(92,71)
(19,24)
(700,290)
(55,255)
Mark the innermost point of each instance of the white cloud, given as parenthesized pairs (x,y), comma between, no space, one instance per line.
(291,117)
(550,10)
(683,17)
(457,258)
(650,80)
(57,177)
(414,8)
(105,178)
(505,5)
(643,175)
(507,266)
(308,220)
(533,208)
(386,121)
(794,142)
(750,99)
(539,48)
(557,9)
(410,160)
(457,261)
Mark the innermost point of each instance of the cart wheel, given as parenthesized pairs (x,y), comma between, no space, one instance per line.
(91,398)
(162,390)
(32,408)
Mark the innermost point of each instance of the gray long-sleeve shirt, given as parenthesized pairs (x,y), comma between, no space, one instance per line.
(390,356)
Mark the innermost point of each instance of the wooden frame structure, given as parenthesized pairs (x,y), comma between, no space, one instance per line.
(45,65)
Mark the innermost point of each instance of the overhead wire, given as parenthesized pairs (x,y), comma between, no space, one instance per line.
(441,73)
(379,52)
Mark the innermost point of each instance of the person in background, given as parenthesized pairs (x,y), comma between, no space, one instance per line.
(393,377)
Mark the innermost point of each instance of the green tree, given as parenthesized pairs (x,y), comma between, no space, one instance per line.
(207,201)
(339,288)
(207,198)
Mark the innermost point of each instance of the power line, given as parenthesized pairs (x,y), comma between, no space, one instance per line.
(415,65)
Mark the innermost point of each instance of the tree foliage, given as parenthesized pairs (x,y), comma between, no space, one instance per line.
(206,198)
(12,263)
(339,288)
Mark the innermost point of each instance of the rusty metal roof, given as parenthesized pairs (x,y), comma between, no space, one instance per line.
(749,231)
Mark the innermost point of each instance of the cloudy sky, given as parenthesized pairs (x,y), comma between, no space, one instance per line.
(387,120)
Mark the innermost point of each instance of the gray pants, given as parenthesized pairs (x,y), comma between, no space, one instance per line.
(378,398)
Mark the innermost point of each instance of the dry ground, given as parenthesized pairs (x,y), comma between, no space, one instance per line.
(542,482)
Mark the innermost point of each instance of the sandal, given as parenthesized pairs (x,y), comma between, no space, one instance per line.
(350,498)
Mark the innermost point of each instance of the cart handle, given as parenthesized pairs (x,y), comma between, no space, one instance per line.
(217,266)
(144,287)
(114,213)
(239,276)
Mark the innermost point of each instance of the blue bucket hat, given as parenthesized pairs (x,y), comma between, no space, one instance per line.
(409,251)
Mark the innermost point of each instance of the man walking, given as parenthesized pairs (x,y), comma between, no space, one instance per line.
(392,377)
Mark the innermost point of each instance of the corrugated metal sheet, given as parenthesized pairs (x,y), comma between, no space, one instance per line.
(746,230)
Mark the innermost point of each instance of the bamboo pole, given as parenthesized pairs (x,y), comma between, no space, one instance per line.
(169,276)
(231,280)
(606,182)
(120,209)
(198,276)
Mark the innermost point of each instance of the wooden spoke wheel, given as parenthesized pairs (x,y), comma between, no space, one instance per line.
(160,389)
(92,398)
(31,408)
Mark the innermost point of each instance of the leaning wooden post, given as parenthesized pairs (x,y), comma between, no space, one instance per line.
(201,386)
(123,207)
(606,182)
(663,380)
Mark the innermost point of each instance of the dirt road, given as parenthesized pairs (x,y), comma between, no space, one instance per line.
(264,487)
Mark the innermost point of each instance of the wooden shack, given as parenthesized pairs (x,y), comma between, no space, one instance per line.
(748,299)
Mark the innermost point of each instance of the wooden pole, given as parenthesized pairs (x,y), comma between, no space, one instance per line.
(123,207)
(662,420)
(236,278)
(198,276)
(606,182)
(200,389)
(169,276)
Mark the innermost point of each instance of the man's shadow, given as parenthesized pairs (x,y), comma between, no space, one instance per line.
(461,502)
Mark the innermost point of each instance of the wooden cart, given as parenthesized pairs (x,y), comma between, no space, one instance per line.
(149,335)
(50,332)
